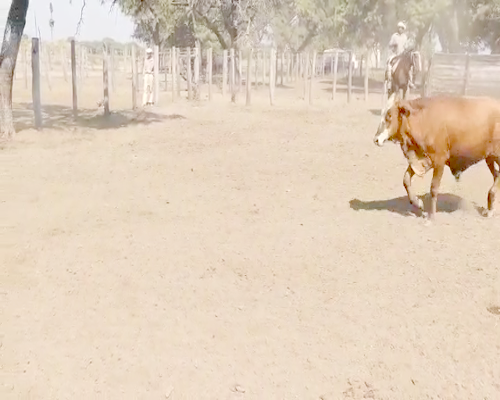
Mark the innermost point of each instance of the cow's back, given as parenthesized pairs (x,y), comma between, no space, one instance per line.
(459,126)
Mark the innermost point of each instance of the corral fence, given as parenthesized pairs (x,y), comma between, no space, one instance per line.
(463,74)
(185,72)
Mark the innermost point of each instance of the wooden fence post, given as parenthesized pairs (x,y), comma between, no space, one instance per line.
(232,81)
(306,74)
(248,80)
(311,83)
(272,72)
(133,60)
(423,76)
(197,64)
(331,65)
(73,77)
(111,68)
(296,69)
(323,63)
(276,69)
(466,74)
(174,73)
(428,76)
(282,71)
(26,67)
(165,65)
(255,81)
(156,88)
(240,70)
(367,75)
(263,68)
(349,77)
(178,69)
(224,72)
(209,67)
(105,78)
(125,60)
(288,67)
(188,75)
(35,87)
(334,72)
(225,61)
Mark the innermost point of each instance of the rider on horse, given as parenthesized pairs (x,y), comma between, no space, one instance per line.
(397,45)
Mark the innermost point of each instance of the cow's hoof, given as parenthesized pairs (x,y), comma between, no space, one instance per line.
(489,213)
(429,220)
(418,208)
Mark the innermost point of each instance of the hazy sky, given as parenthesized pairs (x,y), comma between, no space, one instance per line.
(99,21)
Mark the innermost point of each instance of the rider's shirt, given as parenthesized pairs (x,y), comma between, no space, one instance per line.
(397,43)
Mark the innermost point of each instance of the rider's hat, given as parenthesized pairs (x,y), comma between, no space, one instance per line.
(401,24)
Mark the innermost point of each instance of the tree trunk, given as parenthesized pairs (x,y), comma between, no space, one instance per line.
(455,28)
(495,46)
(419,38)
(156,35)
(14,28)
(310,36)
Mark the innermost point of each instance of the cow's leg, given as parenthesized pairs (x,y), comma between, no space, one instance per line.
(416,202)
(435,183)
(496,180)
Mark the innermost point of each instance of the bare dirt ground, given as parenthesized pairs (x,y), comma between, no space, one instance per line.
(211,251)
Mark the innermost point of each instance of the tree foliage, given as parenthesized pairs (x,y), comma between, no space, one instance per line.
(229,22)
(297,24)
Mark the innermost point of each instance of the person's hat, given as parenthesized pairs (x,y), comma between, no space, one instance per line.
(149,50)
(401,24)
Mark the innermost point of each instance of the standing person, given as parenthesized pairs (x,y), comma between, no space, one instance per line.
(148,73)
(398,44)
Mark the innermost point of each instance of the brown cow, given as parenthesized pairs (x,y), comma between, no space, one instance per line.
(437,131)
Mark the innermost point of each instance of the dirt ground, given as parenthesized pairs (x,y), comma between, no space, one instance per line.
(214,251)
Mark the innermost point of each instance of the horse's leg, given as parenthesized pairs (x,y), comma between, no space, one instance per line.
(389,79)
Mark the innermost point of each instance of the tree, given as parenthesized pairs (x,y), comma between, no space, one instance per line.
(299,23)
(154,20)
(485,26)
(230,22)
(13,34)
(233,22)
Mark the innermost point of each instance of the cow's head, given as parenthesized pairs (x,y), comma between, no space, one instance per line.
(395,126)
(393,119)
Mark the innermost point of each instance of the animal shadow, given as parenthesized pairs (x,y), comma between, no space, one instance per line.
(446,202)
(375,111)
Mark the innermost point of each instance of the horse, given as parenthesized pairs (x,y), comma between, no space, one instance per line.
(400,72)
